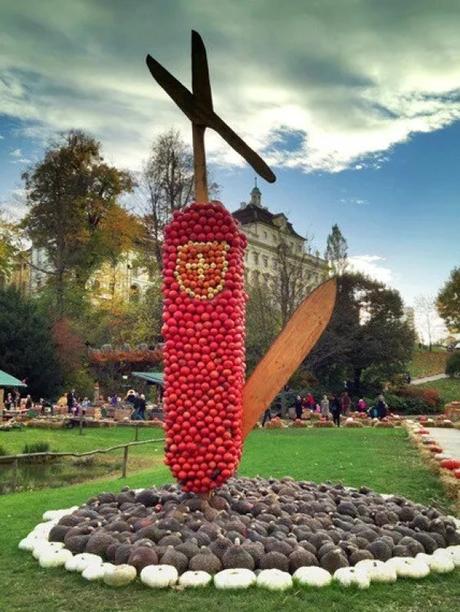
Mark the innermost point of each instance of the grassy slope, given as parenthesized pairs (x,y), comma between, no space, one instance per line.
(449,389)
(380,458)
(425,363)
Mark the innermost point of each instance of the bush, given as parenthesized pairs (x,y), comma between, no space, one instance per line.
(36,447)
(414,400)
(453,365)
(3,451)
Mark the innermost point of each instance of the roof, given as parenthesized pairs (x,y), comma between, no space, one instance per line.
(6,380)
(252,213)
(155,378)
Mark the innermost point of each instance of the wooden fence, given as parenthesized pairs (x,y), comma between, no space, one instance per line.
(15,459)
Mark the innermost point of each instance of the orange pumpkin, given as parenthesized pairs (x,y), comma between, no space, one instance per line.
(457,473)
(450,464)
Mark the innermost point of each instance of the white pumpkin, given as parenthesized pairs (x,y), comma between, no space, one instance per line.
(96,572)
(159,576)
(195,579)
(44,529)
(351,576)
(58,514)
(29,542)
(81,561)
(441,561)
(377,570)
(408,567)
(42,547)
(236,578)
(454,553)
(54,557)
(119,575)
(274,580)
(313,576)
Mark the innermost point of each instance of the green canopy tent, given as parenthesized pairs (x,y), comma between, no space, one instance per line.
(6,380)
(153,378)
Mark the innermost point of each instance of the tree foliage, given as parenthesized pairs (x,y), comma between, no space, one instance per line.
(27,350)
(70,194)
(367,336)
(337,251)
(448,301)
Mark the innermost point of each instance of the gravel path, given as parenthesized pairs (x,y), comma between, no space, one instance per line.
(448,439)
(426,379)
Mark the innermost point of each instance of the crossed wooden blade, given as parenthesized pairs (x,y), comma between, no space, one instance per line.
(290,348)
(198,105)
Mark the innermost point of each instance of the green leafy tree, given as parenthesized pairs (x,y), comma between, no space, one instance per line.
(27,350)
(70,193)
(448,301)
(337,251)
(367,336)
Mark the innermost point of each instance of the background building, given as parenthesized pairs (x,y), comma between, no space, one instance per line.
(267,232)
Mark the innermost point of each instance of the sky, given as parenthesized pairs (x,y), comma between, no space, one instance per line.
(355,104)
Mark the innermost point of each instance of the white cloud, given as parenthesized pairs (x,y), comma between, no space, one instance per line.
(16,153)
(351,79)
(373,266)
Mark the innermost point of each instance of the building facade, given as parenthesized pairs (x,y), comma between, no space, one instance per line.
(269,232)
(266,232)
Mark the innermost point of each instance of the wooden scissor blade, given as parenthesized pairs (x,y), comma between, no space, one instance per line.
(201,85)
(287,352)
(238,144)
(174,88)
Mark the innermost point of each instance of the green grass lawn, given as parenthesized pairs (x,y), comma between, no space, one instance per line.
(425,363)
(449,389)
(382,459)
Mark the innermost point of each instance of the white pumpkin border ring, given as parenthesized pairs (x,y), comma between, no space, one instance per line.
(93,568)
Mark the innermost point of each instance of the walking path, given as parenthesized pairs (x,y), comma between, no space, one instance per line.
(426,379)
(448,439)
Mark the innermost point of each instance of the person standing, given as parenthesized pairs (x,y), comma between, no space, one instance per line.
(267,416)
(381,408)
(70,401)
(336,409)
(29,403)
(346,403)
(298,407)
(141,405)
(325,407)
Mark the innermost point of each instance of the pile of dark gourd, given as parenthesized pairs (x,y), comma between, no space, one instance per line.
(255,524)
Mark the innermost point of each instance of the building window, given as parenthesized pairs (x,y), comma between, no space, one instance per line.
(256,258)
(299,248)
(265,235)
(265,260)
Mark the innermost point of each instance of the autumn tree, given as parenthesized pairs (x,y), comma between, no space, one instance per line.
(337,251)
(9,247)
(70,193)
(448,301)
(167,185)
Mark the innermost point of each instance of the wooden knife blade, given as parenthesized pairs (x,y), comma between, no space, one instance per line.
(287,352)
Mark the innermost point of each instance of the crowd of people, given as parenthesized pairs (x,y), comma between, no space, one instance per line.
(334,406)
